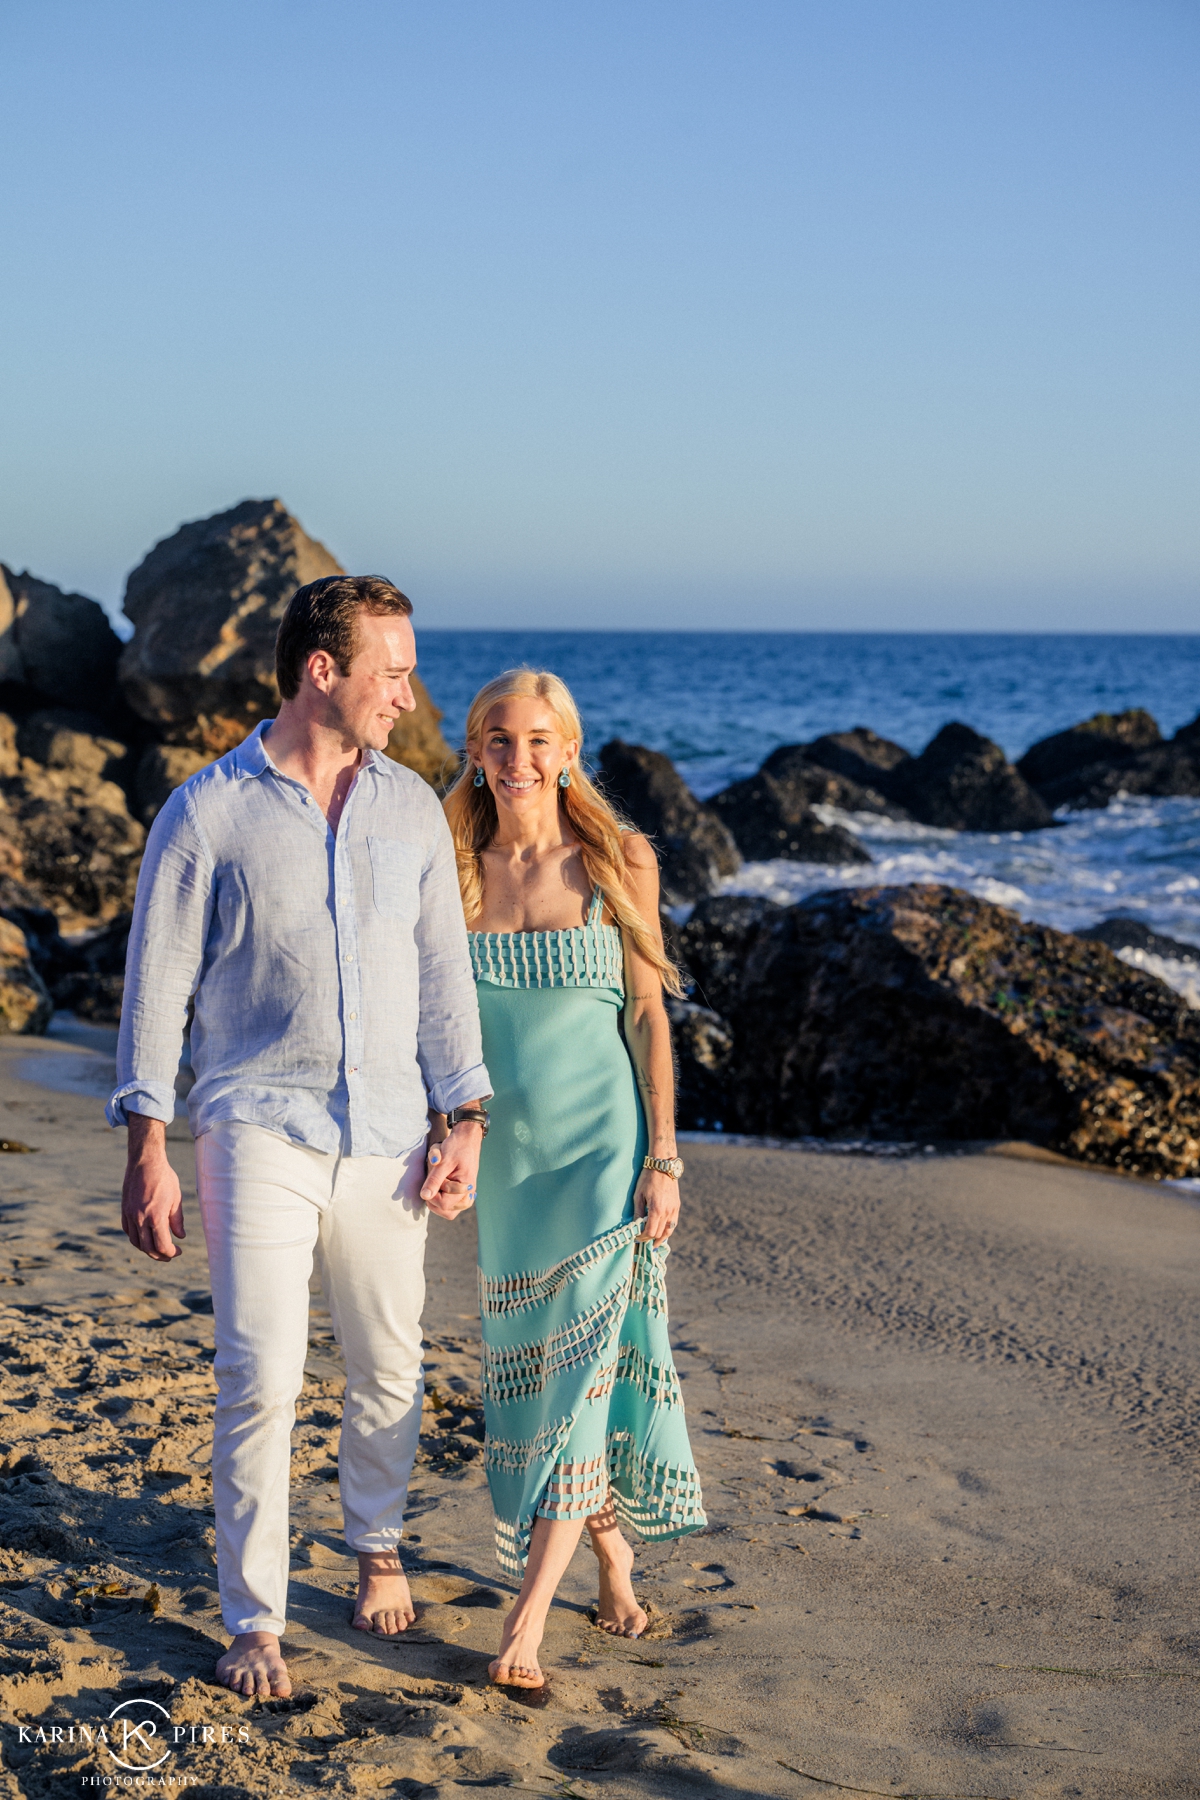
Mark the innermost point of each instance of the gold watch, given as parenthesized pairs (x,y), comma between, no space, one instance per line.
(666,1165)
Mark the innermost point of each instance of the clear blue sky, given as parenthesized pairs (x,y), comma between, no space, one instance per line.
(869,314)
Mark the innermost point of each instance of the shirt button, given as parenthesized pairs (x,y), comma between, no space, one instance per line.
(349,956)
(354,1015)
(353,1071)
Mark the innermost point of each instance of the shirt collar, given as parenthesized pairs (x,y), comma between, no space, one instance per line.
(250,757)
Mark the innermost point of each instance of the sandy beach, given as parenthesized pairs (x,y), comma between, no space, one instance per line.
(945,1409)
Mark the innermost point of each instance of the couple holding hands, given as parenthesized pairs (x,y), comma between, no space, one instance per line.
(362,1059)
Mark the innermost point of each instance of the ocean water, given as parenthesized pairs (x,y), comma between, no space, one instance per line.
(718,703)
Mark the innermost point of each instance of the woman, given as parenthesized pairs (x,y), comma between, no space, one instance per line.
(578,1182)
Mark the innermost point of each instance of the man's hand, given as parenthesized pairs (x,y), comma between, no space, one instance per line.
(453,1164)
(151,1203)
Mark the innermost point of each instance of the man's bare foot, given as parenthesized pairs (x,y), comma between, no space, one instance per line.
(253,1665)
(618,1611)
(384,1604)
(517,1664)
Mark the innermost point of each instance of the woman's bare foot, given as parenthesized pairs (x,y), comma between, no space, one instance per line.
(618,1611)
(517,1664)
(253,1665)
(384,1604)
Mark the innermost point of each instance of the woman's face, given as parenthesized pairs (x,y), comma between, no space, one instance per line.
(522,752)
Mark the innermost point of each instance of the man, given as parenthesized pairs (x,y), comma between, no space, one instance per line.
(301,894)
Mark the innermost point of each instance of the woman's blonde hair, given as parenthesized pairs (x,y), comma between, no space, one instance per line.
(471,812)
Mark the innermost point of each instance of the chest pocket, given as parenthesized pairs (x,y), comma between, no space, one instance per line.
(396,877)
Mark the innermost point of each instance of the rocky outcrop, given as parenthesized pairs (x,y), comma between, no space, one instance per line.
(703,1054)
(69,836)
(771,814)
(961,782)
(1091,764)
(1105,737)
(964,782)
(922,1012)
(206,604)
(25,1004)
(60,646)
(162,768)
(870,762)
(695,851)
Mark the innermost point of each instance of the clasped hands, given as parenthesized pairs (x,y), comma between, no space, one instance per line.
(451,1167)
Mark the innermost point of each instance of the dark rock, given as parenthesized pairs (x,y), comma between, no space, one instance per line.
(1131,934)
(714,943)
(821,785)
(703,1048)
(695,851)
(59,645)
(1188,736)
(206,604)
(1102,738)
(161,769)
(25,1004)
(93,986)
(1161,771)
(860,756)
(769,817)
(922,1012)
(60,739)
(964,782)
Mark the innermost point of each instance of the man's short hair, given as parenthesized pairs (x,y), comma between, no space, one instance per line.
(324,616)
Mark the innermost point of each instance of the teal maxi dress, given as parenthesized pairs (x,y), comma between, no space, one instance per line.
(581,1398)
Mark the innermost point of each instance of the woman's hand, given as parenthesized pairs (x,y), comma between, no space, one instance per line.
(656,1199)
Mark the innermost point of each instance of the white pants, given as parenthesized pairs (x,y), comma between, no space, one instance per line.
(267,1206)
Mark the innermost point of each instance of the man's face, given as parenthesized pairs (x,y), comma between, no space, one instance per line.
(367,702)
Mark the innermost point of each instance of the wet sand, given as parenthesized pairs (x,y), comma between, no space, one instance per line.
(946,1411)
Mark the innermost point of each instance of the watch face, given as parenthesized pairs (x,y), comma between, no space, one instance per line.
(678,1166)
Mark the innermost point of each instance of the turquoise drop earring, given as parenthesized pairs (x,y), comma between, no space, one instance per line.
(478,781)
(564,780)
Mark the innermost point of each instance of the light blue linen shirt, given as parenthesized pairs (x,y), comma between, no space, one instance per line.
(329,973)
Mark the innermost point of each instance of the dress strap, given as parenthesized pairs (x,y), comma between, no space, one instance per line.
(597,906)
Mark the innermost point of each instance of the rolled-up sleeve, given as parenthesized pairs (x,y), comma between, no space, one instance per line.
(449,1044)
(171,917)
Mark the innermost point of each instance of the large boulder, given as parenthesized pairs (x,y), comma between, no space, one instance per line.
(862,757)
(25,1004)
(921,1012)
(771,815)
(1105,737)
(1112,754)
(1109,755)
(206,605)
(695,851)
(964,782)
(61,646)
(714,942)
